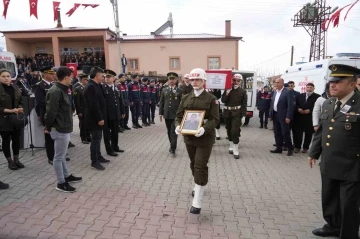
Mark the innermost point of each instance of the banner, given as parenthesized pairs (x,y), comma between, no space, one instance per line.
(73,67)
(90,5)
(55,9)
(6,5)
(33,7)
(219,79)
(73,9)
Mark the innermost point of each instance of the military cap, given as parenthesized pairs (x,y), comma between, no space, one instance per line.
(342,71)
(145,79)
(172,75)
(83,76)
(48,69)
(121,75)
(134,76)
(109,72)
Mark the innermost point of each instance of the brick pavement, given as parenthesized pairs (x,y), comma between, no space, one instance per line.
(145,193)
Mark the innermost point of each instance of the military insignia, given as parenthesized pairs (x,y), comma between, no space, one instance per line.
(174,91)
(348,126)
(352,113)
(334,68)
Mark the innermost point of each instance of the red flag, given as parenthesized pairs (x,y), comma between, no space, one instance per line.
(350,9)
(90,5)
(323,24)
(55,9)
(335,17)
(33,7)
(73,67)
(72,10)
(6,5)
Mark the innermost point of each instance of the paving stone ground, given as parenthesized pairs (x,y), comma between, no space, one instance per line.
(145,192)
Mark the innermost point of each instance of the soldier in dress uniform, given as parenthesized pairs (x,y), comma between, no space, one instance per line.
(145,99)
(199,146)
(235,101)
(125,96)
(337,140)
(135,101)
(40,90)
(169,102)
(115,111)
(186,87)
(79,99)
(153,100)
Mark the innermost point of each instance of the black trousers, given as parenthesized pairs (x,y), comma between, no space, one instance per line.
(84,134)
(340,203)
(111,136)
(170,125)
(95,152)
(300,128)
(281,132)
(261,116)
(199,159)
(152,111)
(135,111)
(14,138)
(232,125)
(218,125)
(145,111)
(49,147)
(125,121)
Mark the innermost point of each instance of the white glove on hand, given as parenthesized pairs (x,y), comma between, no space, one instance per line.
(177,130)
(200,133)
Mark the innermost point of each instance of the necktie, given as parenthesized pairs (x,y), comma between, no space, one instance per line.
(338,108)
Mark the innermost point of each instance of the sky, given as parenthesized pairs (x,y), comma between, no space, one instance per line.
(265,25)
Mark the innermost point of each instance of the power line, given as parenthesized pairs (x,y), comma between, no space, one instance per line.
(273,58)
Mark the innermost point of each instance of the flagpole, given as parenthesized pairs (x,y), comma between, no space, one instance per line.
(117,27)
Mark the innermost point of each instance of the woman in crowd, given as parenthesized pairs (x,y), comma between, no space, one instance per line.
(10,103)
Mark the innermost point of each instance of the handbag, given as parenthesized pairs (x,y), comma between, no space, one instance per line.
(18,121)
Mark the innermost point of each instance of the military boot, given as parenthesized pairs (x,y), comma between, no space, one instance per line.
(236,151)
(198,198)
(231,147)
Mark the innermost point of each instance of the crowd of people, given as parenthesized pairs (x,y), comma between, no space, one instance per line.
(103,102)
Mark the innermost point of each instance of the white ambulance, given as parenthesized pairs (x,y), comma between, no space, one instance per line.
(8,61)
(316,72)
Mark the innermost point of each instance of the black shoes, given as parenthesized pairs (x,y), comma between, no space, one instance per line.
(325,232)
(65,187)
(103,160)
(276,151)
(71,145)
(12,166)
(85,142)
(195,210)
(152,122)
(73,179)
(119,150)
(112,154)
(290,152)
(172,151)
(127,127)
(97,166)
(4,186)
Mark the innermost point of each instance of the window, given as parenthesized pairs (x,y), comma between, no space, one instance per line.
(213,62)
(174,63)
(133,64)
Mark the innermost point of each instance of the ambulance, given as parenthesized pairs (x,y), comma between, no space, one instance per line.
(249,83)
(8,61)
(317,72)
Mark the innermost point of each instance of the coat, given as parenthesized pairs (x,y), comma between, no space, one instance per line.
(169,102)
(285,106)
(6,103)
(95,106)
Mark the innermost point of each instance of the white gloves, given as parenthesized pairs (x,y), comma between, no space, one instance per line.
(228,91)
(177,130)
(200,133)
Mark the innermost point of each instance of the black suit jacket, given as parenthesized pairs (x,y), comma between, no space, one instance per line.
(285,106)
(302,103)
(95,106)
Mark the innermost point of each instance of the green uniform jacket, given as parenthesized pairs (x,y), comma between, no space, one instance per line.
(5,103)
(338,141)
(169,102)
(205,101)
(236,97)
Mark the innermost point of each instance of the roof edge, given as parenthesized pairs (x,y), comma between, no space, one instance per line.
(190,38)
(55,30)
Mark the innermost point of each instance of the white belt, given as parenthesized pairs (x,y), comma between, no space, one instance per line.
(232,107)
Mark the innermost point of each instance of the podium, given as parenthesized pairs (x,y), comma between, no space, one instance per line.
(32,135)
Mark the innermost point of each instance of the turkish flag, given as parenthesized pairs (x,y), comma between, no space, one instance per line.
(73,67)
(6,5)
(323,25)
(350,9)
(73,9)
(55,9)
(33,7)
(219,79)
(90,5)
(335,17)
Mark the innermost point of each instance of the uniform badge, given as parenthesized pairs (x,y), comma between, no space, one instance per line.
(348,126)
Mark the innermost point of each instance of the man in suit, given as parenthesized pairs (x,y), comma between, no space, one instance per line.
(303,118)
(169,103)
(123,63)
(337,140)
(95,116)
(281,112)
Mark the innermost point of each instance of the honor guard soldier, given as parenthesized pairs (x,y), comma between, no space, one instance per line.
(169,103)
(235,101)
(79,99)
(199,146)
(337,141)
(153,100)
(40,90)
(124,91)
(135,101)
(145,99)
(115,111)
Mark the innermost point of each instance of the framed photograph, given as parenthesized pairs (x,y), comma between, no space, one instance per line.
(192,121)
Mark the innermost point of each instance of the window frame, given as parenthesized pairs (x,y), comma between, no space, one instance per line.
(174,57)
(213,56)
(129,65)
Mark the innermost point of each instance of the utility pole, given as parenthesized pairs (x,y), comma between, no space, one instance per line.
(292,56)
(117,27)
